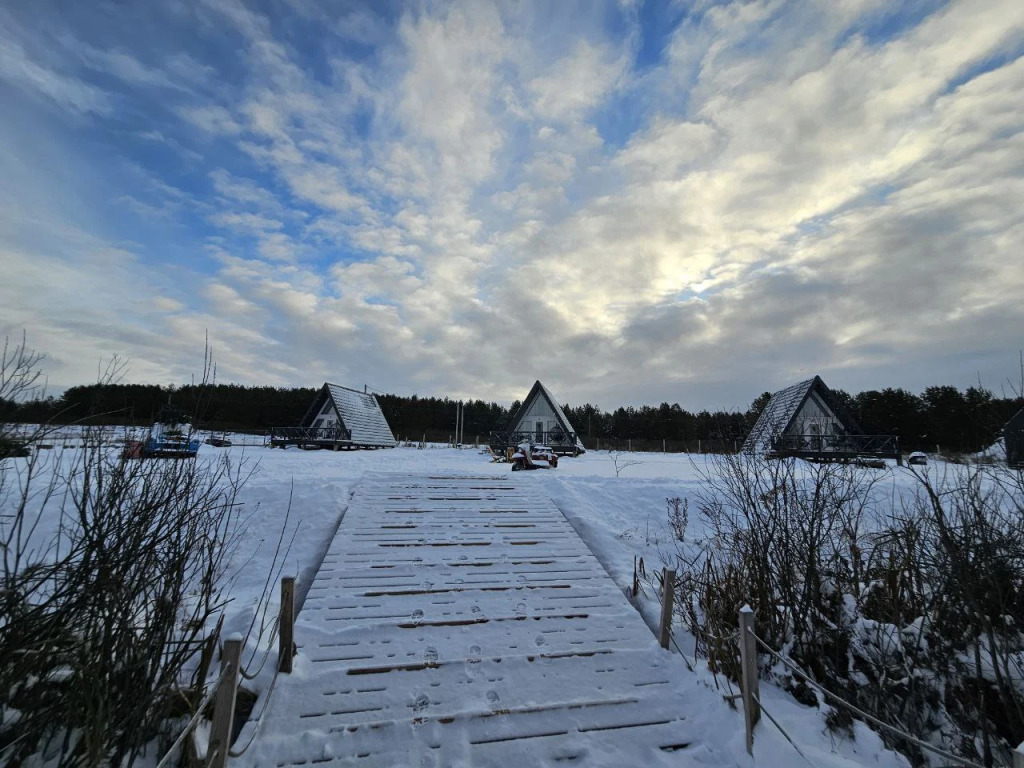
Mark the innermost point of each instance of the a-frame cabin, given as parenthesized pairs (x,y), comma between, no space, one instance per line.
(809,421)
(339,418)
(541,421)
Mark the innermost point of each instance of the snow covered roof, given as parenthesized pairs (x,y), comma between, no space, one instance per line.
(359,412)
(539,390)
(785,404)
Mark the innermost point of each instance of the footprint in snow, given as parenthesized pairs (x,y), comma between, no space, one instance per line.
(430,655)
(416,616)
(493,698)
(421,702)
(473,661)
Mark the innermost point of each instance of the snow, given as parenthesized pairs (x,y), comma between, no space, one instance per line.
(620,513)
(619,517)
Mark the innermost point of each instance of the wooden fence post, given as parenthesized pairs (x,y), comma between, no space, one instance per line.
(668,582)
(750,682)
(224,704)
(286,626)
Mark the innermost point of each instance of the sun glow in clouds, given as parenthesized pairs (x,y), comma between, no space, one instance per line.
(637,202)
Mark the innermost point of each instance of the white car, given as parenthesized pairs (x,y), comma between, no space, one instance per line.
(917,458)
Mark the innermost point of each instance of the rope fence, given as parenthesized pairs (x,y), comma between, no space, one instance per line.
(748,642)
(224,691)
(790,664)
(785,735)
(266,655)
(195,718)
(259,718)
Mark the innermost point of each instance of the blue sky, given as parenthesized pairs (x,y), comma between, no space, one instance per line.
(632,201)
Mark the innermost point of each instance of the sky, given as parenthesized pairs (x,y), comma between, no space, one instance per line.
(632,201)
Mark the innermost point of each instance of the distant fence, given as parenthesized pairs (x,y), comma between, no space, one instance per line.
(661,446)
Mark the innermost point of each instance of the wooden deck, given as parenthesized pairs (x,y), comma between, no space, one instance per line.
(462,621)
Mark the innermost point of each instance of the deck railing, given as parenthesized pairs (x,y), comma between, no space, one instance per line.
(309,434)
(843,445)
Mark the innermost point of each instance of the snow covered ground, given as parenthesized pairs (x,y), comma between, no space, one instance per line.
(617,506)
(616,503)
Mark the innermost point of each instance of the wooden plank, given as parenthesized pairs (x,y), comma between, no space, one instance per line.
(461,620)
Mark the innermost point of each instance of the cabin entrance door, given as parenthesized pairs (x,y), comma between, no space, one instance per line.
(540,431)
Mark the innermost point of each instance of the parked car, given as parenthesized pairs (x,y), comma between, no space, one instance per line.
(917,458)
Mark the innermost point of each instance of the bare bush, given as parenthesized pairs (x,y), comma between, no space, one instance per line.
(909,608)
(110,583)
(621,462)
(103,620)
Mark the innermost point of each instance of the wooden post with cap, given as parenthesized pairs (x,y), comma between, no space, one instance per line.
(224,704)
(286,626)
(668,580)
(750,683)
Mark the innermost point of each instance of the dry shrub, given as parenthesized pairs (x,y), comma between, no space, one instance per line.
(911,607)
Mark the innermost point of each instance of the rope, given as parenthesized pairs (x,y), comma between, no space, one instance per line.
(195,718)
(259,718)
(686,659)
(23,736)
(270,646)
(782,730)
(860,712)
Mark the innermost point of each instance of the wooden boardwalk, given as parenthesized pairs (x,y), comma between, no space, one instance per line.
(462,621)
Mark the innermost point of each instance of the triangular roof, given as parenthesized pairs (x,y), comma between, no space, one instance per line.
(357,411)
(785,404)
(539,390)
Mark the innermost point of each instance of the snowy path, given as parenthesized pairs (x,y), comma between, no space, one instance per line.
(462,621)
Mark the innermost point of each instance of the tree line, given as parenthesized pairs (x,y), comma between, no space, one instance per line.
(944,416)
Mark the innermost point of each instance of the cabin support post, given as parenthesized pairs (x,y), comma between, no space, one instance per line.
(750,682)
(668,582)
(286,626)
(224,704)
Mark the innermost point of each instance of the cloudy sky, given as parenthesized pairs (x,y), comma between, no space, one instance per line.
(632,201)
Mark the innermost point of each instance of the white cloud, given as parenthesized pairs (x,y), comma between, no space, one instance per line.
(494,193)
(577,83)
(67,92)
(213,119)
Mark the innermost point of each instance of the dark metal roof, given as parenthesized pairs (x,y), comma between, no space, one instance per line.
(785,404)
(539,390)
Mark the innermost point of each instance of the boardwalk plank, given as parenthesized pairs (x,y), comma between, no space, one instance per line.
(461,620)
